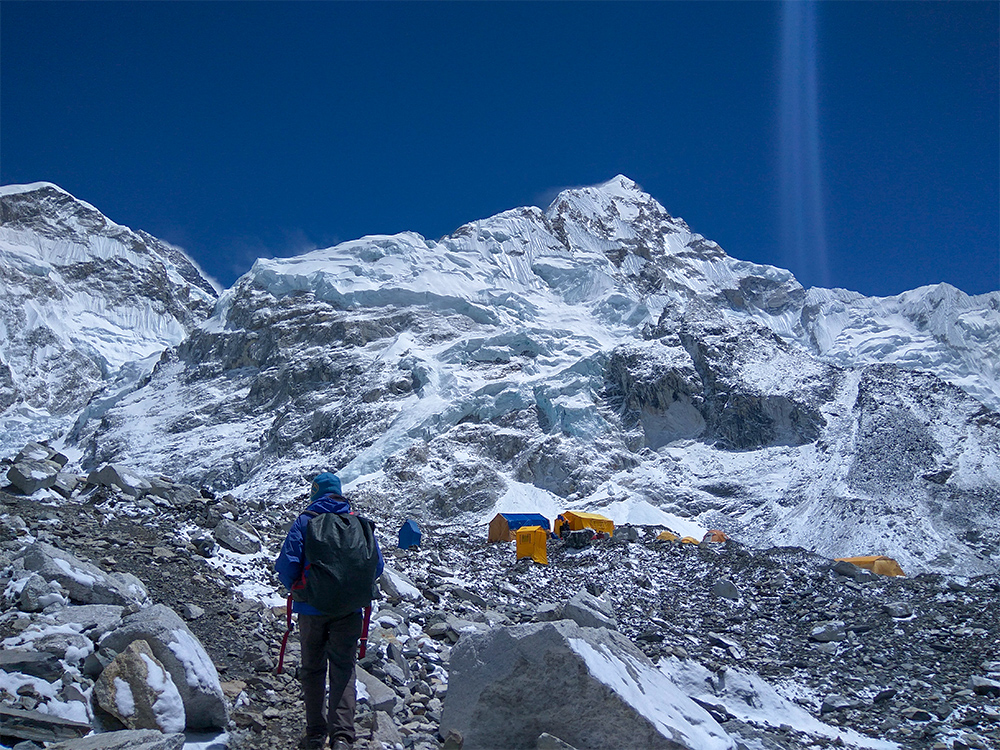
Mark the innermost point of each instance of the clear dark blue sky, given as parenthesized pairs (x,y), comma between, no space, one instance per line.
(239,130)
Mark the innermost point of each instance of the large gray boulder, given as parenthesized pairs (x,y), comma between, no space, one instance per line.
(93,620)
(121,477)
(30,475)
(84,582)
(38,452)
(138,691)
(509,685)
(183,656)
(590,611)
(233,536)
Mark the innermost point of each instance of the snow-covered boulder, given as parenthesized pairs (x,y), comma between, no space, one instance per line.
(139,692)
(509,685)
(233,536)
(84,582)
(116,475)
(590,611)
(129,739)
(184,658)
(40,452)
(31,475)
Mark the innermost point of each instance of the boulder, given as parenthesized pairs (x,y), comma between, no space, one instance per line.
(396,586)
(384,730)
(129,739)
(726,589)
(37,593)
(138,691)
(183,656)
(508,685)
(66,483)
(828,632)
(40,452)
(39,727)
(84,582)
(589,611)
(234,537)
(30,475)
(72,648)
(380,696)
(116,475)
(92,620)
(42,665)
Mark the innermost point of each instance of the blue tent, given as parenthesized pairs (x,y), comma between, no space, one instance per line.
(409,535)
(503,525)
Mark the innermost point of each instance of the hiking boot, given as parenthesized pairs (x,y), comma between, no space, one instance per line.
(339,744)
(312,742)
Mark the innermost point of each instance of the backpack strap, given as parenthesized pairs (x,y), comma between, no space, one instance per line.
(301,582)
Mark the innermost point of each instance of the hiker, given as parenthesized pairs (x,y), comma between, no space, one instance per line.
(328,641)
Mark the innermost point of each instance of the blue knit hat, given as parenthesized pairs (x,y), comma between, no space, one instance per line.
(325,484)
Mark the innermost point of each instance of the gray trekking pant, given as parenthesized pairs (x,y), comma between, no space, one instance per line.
(329,643)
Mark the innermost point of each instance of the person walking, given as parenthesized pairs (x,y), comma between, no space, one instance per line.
(329,642)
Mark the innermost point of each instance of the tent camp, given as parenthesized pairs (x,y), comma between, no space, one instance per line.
(531,543)
(579,520)
(409,535)
(879,564)
(503,525)
(667,536)
(714,535)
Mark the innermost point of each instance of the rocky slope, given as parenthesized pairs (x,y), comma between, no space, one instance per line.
(905,662)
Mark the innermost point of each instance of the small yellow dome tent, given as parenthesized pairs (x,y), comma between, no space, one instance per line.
(579,520)
(689,540)
(667,536)
(531,543)
(878,564)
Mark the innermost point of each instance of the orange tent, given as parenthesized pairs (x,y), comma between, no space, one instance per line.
(878,564)
(714,535)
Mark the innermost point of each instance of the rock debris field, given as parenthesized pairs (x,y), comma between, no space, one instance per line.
(781,648)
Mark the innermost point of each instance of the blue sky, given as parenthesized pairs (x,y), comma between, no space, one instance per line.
(238,130)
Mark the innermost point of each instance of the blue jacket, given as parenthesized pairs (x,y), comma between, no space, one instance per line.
(292,560)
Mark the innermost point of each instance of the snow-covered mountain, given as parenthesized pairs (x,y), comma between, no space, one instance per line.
(86,305)
(597,354)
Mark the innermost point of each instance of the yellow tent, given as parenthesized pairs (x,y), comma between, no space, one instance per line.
(579,520)
(689,540)
(531,543)
(714,535)
(667,536)
(879,564)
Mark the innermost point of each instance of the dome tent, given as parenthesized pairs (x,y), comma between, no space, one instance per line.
(409,535)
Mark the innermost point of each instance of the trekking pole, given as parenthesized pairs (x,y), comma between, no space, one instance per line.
(288,629)
(364,632)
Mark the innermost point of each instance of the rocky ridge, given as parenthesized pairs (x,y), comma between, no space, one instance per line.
(907,660)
